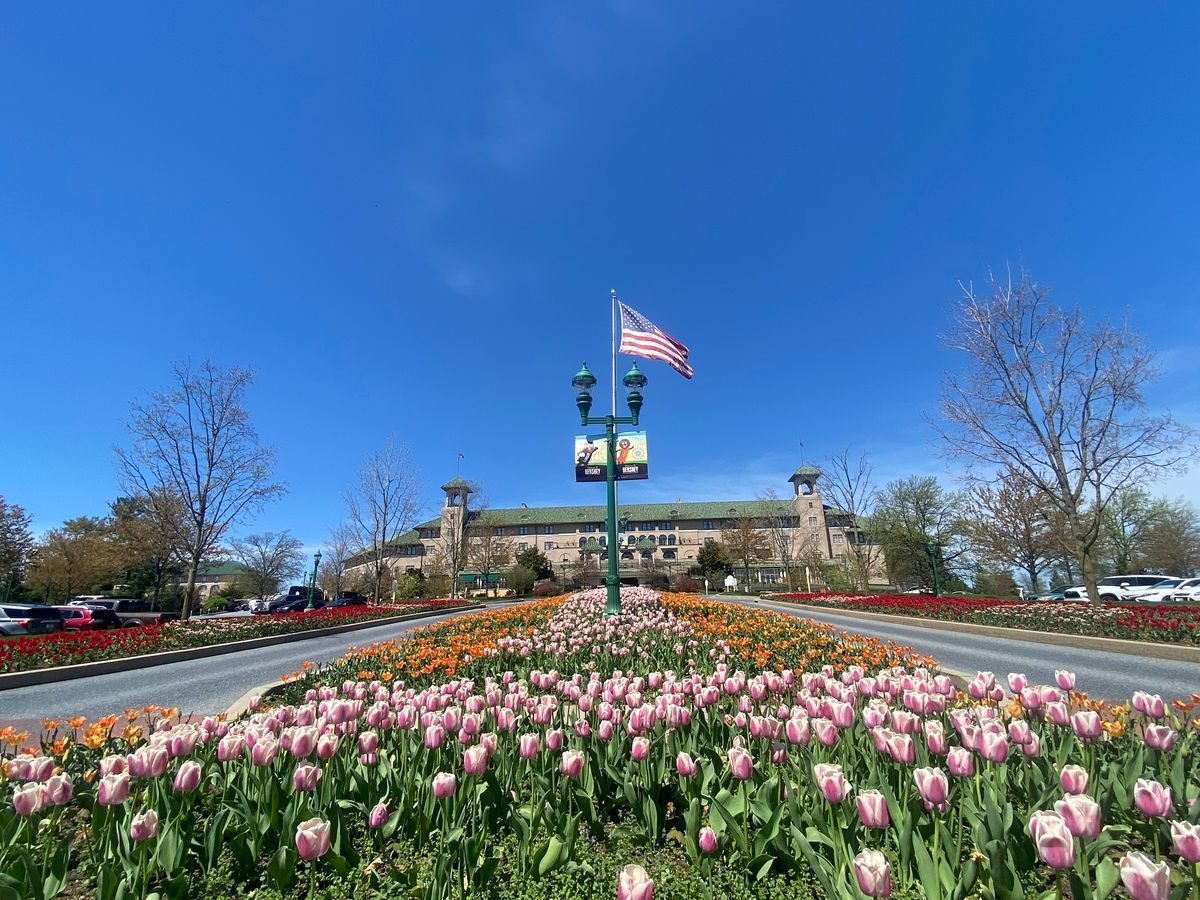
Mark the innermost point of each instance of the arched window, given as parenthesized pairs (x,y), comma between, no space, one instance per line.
(582,541)
(662,540)
(671,539)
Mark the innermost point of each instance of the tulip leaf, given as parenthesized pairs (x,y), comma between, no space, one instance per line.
(549,857)
(1107,876)
(282,867)
(930,883)
(761,866)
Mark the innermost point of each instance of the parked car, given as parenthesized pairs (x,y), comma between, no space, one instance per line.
(88,618)
(1188,589)
(296,604)
(25,618)
(1164,590)
(263,604)
(356,600)
(133,611)
(1126,587)
(1056,593)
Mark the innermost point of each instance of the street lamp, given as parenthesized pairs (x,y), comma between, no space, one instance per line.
(312,588)
(635,382)
(937,585)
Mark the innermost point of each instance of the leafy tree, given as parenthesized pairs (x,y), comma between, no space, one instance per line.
(1173,542)
(712,562)
(411,586)
(194,444)
(910,515)
(533,559)
(77,558)
(745,542)
(146,535)
(1125,527)
(1008,526)
(16,544)
(521,579)
(1060,402)
(269,559)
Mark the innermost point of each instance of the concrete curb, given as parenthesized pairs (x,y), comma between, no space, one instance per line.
(11,680)
(1144,649)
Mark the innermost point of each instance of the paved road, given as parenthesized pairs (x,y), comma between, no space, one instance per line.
(196,686)
(1113,676)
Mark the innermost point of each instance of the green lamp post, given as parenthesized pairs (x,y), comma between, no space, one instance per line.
(312,587)
(635,382)
(937,584)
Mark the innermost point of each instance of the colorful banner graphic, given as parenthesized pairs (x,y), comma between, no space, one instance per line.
(591,457)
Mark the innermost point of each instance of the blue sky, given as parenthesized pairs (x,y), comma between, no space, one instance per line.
(408,221)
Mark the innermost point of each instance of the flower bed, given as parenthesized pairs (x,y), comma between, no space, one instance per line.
(70,647)
(549,751)
(1161,623)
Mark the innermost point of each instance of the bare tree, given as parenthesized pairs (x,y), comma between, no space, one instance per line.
(269,559)
(383,503)
(786,541)
(850,488)
(1128,521)
(745,542)
(1060,402)
(488,548)
(194,443)
(1173,542)
(339,547)
(1008,527)
(913,518)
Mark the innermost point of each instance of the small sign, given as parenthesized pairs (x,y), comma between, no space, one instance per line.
(591,457)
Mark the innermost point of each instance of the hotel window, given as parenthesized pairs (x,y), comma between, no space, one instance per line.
(499,532)
(837,538)
(549,529)
(662,540)
(524,529)
(582,541)
(668,554)
(812,521)
(667,526)
(549,545)
(603,541)
(671,539)
(708,526)
(522,546)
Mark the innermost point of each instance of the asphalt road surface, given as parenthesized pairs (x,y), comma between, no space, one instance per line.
(196,686)
(1112,676)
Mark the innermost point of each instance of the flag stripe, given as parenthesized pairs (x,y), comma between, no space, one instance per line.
(641,337)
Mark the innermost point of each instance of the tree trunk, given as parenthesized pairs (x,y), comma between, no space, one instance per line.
(194,566)
(1087,567)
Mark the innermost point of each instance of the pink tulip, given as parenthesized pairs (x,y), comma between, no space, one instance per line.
(960,762)
(444,785)
(825,731)
(434,735)
(1186,838)
(900,748)
(113,790)
(933,787)
(313,837)
(305,778)
(1149,704)
(935,737)
(57,790)
(798,730)
(708,841)
(1065,679)
(1056,713)
(740,764)
(831,782)
(187,779)
(554,739)
(1151,798)
(1081,813)
(1055,843)
(634,883)
(1086,724)
(1019,731)
(475,760)
(872,809)
(528,746)
(1145,880)
(368,742)
(572,763)
(27,799)
(1074,779)
(873,873)
(378,816)
(1017,682)
(1159,737)
(110,765)
(685,765)
(144,825)
(231,747)
(994,747)
(264,751)
(1040,820)
(640,749)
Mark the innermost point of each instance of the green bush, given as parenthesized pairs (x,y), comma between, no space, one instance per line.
(215,604)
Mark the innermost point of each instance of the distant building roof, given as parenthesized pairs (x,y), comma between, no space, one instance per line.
(634,512)
(805,472)
(457,483)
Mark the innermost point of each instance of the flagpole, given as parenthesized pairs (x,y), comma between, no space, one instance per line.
(613,553)
(614,351)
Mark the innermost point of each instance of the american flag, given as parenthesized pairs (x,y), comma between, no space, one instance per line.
(641,337)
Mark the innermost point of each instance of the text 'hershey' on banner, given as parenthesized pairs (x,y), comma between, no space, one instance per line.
(591,457)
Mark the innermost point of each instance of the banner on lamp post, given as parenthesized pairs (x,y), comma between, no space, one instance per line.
(591,457)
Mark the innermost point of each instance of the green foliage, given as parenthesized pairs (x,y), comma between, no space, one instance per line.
(533,559)
(713,562)
(214,604)
(411,586)
(521,579)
